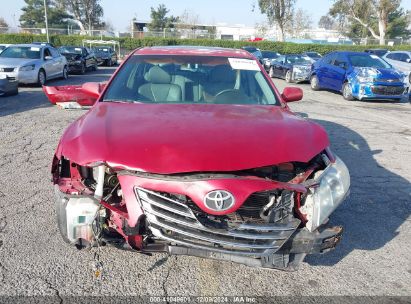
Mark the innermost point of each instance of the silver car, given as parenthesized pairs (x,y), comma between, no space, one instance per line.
(400,60)
(30,63)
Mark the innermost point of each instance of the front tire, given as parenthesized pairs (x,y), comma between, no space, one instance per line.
(314,83)
(41,78)
(288,77)
(347,92)
(271,72)
(65,73)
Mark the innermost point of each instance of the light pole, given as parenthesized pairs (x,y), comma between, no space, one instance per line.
(45,18)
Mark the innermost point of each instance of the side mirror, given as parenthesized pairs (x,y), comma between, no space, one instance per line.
(291,94)
(408,60)
(48,58)
(93,89)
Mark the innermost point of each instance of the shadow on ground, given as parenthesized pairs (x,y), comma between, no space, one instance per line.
(380,200)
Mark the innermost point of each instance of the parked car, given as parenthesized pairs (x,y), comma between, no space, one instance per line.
(378,52)
(401,60)
(8,86)
(3,46)
(80,59)
(315,56)
(358,76)
(292,68)
(268,57)
(256,52)
(106,56)
(168,160)
(30,63)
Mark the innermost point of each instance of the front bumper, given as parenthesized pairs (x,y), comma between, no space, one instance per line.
(75,67)
(301,76)
(376,91)
(24,77)
(177,230)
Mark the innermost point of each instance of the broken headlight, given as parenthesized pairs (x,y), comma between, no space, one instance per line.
(332,187)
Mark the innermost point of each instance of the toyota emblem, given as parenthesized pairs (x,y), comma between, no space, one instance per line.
(219,200)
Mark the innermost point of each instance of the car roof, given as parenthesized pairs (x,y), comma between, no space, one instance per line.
(193,51)
(31,45)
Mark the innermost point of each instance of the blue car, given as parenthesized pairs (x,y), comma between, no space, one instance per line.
(359,76)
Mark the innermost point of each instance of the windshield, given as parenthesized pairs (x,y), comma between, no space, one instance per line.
(191,79)
(368,61)
(70,50)
(21,52)
(297,59)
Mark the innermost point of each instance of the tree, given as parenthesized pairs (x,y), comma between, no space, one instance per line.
(365,11)
(33,14)
(86,13)
(326,22)
(300,21)
(159,19)
(3,25)
(279,12)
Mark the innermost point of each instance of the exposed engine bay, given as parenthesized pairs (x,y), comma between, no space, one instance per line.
(263,217)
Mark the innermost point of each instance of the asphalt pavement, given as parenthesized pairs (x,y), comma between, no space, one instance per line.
(374,257)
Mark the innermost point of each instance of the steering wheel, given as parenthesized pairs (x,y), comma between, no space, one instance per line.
(231,96)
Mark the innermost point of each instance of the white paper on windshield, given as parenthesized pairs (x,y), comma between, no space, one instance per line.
(243,64)
(77,49)
(375,56)
(35,49)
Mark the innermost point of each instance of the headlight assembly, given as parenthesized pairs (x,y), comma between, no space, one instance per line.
(330,191)
(365,79)
(27,68)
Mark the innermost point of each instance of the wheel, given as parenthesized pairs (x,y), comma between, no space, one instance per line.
(271,72)
(41,78)
(347,92)
(65,73)
(83,69)
(288,76)
(94,68)
(315,86)
(109,62)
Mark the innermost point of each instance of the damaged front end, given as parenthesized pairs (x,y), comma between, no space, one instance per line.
(268,217)
(378,84)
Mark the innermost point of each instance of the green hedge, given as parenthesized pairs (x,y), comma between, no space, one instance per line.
(131,43)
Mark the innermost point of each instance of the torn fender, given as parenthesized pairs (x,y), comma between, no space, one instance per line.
(84,95)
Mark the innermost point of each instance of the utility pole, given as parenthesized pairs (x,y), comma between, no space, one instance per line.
(47,24)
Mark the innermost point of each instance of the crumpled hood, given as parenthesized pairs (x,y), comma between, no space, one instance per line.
(175,138)
(72,57)
(16,62)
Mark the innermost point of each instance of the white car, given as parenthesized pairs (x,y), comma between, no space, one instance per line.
(401,61)
(32,64)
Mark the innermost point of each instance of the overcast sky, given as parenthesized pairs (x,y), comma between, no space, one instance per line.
(120,12)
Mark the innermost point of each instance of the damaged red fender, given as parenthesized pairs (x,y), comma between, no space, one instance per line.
(85,95)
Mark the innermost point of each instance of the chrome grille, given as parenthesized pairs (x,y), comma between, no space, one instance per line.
(6,70)
(175,222)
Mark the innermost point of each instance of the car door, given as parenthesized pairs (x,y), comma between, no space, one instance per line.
(277,65)
(49,64)
(338,72)
(323,71)
(406,61)
(59,62)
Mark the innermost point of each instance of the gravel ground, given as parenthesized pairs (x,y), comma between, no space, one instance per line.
(373,138)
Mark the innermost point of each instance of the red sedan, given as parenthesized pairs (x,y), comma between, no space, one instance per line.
(193,151)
